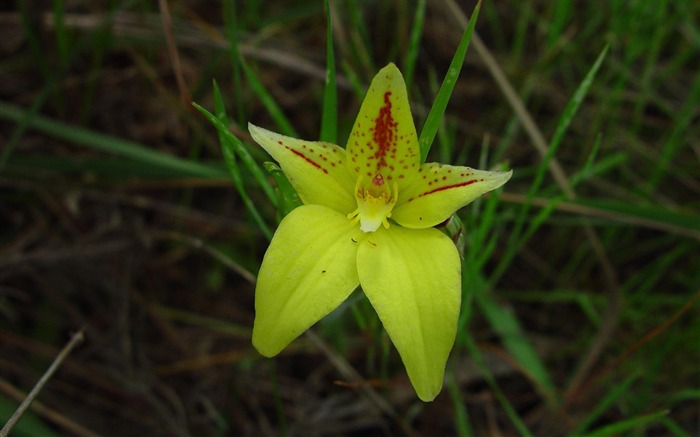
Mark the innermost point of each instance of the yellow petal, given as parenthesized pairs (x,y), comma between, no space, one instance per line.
(383,140)
(309,269)
(412,279)
(439,190)
(317,170)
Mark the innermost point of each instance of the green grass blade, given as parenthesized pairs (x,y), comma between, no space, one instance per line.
(228,149)
(329,115)
(110,144)
(586,170)
(432,123)
(358,87)
(361,42)
(31,33)
(289,199)
(516,240)
(266,98)
(242,153)
(605,403)
(675,142)
(60,32)
(461,419)
(25,121)
(508,328)
(409,66)
(497,392)
(115,169)
(629,424)
(674,428)
(575,102)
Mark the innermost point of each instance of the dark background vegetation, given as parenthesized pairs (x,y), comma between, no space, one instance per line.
(156,262)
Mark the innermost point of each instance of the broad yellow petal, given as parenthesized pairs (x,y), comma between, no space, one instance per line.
(383,139)
(317,170)
(412,279)
(439,190)
(309,269)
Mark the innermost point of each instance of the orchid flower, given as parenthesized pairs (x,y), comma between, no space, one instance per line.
(367,219)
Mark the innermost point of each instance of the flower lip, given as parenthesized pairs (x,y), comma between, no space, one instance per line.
(374,203)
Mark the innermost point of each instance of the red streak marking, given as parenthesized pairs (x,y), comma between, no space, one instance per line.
(384,131)
(447,187)
(307,159)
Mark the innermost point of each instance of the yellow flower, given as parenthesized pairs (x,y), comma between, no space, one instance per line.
(367,219)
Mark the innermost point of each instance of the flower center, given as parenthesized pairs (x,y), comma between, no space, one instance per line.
(374,203)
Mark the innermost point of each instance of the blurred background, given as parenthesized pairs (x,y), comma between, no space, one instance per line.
(119,217)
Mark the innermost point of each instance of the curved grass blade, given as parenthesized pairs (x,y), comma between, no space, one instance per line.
(242,152)
(267,101)
(228,149)
(110,144)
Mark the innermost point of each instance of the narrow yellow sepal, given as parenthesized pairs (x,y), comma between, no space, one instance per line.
(439,190)
(316,170)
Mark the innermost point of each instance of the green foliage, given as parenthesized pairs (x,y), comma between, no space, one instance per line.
(437,110)
(97,146)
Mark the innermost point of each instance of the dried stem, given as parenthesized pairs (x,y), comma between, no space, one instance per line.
(77,338)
